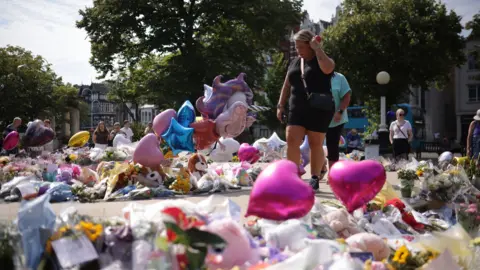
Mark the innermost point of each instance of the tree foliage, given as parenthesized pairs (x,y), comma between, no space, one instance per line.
(474,26)
(272,86)
(29,88)
(184,44)
(416,41)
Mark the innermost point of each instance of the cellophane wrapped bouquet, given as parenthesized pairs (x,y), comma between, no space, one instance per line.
(448,185)
(468,216)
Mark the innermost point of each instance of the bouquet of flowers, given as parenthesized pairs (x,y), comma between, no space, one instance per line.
(112,154)
(407,181)
(449,185)
(469,217)
(10,240)
(404,259)
(74,232)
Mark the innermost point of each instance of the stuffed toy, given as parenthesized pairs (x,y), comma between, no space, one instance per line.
(407,217)
(151,177)
(182,181)
(369,242)
(197,167)
(342,223)
(240,250)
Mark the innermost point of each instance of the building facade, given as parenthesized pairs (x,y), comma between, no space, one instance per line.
(146,114)
(467,90)
(316,27)
(101,109)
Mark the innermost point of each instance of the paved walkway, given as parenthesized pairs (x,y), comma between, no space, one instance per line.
(8,211)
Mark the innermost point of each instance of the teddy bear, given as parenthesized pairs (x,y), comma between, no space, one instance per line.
(151,177)
(197,167)
(369,242)
(342,223)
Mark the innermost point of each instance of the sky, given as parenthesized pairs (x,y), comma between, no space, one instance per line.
(47,28)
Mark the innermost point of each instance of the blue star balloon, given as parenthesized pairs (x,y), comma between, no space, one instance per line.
(186,114)
(178,137)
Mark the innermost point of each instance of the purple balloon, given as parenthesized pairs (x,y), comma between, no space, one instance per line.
(215,98)
(37,134)
(305,152)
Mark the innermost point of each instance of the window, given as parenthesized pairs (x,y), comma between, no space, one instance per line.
(474,93)
(472,60)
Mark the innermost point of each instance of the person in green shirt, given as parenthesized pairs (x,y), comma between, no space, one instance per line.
(341,94)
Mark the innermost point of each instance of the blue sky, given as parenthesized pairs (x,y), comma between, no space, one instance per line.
(47,27)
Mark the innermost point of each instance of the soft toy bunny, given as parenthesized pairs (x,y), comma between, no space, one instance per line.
(342,223)
(240,249)
(369,242)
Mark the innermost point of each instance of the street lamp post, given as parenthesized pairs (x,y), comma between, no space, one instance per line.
(383,78)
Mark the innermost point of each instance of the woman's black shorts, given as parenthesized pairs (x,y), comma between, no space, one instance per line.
(311,119)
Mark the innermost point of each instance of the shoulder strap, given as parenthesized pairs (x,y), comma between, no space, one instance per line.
(400,129)
(302,69)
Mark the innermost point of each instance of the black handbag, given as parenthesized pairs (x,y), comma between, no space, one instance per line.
(318,101)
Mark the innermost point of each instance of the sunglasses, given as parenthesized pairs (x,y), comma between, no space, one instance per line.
(401,114)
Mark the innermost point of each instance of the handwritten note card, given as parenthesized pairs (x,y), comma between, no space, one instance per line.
(74,251)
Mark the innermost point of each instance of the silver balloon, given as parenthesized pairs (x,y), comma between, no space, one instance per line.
(445,157)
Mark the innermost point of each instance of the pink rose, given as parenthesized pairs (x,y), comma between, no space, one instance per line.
(471,210)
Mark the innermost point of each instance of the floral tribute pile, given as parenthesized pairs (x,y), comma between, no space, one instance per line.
(89,175)
(178,234)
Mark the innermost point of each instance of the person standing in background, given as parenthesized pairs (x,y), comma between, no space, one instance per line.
(149,129)
(115,131)
(17,121)
(127,130)
(341,94)
(473,137)
(353,140)
(101,136)
(400,136)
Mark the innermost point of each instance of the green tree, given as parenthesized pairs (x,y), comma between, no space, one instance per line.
(272,86)
(474,25)
(416,41)
(30,89)
(192,41)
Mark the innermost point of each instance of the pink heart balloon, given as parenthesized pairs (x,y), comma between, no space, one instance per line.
(161,122)
(248,153)
(148,152)
(11,140)
(279,193)
(356,183)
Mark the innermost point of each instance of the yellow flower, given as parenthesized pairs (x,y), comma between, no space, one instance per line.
(475,242)
(401,255)
(73,157)
(92,231)
(341,241)
(368,265)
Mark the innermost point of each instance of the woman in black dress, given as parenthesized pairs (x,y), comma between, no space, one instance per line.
(308,74)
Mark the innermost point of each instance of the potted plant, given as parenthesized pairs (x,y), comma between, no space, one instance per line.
(407,181)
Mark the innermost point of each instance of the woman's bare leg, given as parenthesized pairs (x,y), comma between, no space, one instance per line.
(317,156)
(295,135)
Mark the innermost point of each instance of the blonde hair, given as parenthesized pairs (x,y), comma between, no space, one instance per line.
(304,35)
